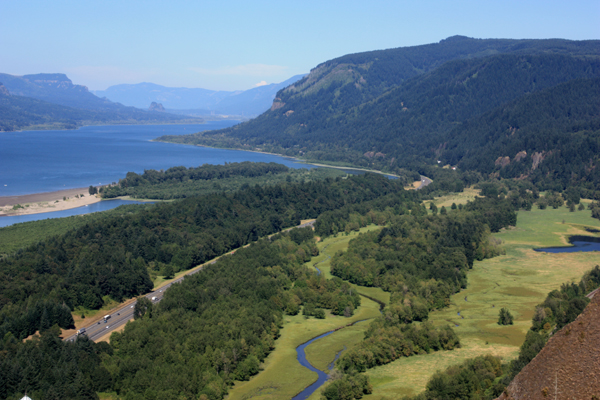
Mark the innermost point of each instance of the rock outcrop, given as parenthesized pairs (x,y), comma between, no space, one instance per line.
(537,158)
(520,155)
(568,367)
(3,90)
(277,103)
(154,106)
(502,161)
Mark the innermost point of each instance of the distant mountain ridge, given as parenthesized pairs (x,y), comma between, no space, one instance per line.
(57,89)
(52,101)
(198,101)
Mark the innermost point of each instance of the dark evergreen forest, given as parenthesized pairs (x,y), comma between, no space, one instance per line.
(115,256)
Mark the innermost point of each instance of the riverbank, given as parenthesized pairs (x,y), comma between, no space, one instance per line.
(46,202)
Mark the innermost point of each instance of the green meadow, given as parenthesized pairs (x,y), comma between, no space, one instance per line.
(518,280)
(282,377)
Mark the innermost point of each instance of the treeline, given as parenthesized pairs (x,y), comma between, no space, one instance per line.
(424,258)
(23,320)
(476,378)
(218,325)
(176,189)
(486,377)
(137,185)
(386,341)
(115,256)
(48,368)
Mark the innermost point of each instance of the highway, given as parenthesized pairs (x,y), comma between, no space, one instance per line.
(120,315)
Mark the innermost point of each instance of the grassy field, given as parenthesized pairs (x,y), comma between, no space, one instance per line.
(282,377)
(459,198)
(519,281)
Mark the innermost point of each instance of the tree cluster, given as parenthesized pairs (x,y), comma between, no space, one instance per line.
(180,182)
(116,256)
(48,368)
(219,324)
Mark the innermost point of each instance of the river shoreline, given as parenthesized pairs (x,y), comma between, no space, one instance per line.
(37,203)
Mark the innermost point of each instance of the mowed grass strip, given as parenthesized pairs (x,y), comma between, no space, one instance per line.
(519,281)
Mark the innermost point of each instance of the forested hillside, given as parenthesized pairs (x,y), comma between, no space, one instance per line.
(551,136)
(405,107)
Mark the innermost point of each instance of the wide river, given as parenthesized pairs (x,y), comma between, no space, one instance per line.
(45,161)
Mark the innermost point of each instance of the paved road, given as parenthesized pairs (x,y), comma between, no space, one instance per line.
(120,316)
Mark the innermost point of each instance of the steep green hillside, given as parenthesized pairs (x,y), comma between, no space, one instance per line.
(397,108)
(552,136)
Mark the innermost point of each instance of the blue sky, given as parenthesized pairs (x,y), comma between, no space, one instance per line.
(236,45)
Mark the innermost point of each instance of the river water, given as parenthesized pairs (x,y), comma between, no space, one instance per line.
(95,207)
(578,243)
(46,161)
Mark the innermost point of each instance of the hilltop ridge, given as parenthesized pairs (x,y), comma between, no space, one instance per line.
(414,106)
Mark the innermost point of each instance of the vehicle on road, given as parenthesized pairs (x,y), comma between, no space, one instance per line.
(81,331)
(106,317)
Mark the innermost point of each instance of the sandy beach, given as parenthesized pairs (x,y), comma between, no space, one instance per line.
(46,202)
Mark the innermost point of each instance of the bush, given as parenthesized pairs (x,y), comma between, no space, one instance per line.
(505,317)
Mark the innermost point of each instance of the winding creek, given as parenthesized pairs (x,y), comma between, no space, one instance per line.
(301,350)
(322,378)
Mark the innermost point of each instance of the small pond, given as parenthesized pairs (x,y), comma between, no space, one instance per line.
(578,243)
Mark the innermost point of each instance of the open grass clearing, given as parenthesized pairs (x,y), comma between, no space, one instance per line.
(458,198)
(519,281)
(322,352)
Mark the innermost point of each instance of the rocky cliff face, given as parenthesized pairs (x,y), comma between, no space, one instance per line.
(55,81)
(4,91)
(568,367)
(154,106)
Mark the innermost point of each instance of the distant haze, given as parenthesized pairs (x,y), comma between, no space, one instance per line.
(248,103)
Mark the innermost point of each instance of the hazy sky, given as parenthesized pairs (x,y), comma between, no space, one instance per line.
(228,45)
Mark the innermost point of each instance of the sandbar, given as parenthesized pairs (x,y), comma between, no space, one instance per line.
(46,202)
